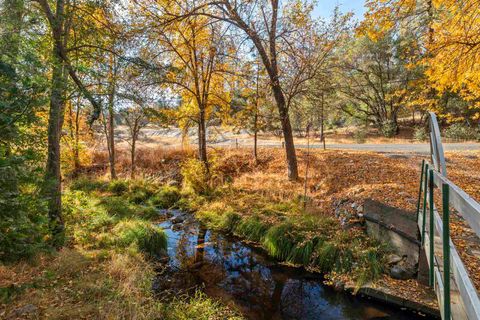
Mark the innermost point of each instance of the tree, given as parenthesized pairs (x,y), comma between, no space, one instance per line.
(136,119)
(60,25)
(23,93)
(449,48)
(195,49)
(261,23)
(374,79)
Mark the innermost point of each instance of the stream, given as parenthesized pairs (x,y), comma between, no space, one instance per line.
(246,279)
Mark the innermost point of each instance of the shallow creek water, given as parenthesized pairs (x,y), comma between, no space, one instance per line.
(245,278)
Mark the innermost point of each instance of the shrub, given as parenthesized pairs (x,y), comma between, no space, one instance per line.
(118,187)
(420,134)
(88,184)
(458,131)
(219,219)
(138,197)
(117,206)
(389,129)
(166,198)
(360,136)
(195,176)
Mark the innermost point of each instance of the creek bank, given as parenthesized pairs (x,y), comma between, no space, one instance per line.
(246,279)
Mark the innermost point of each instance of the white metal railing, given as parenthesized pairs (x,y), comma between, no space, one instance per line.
(455,291)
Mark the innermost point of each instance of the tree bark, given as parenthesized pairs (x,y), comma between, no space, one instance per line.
(202,139)
(322,133)
(53,178)
(292,169)
(255,136)
(132,156)
(111,120)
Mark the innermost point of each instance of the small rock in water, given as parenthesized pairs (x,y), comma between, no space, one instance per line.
(177,219)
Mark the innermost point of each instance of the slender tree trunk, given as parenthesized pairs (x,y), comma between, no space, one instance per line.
(76,152)
(255,136)
(111,138)
(72,129)
(132,158)
(292,168)
(111,120)
(322,131)
(202,138)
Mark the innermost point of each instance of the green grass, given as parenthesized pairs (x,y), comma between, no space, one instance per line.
(251,228)
(148,238)
(289,234)
(167,197)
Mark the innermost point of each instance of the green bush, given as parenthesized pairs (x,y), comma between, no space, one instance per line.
(118,187)
(389,129)
(166,198)
(420,134)
(138,197)
(118,206)
(458,131)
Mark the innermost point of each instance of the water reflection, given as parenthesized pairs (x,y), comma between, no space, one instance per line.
(238,275)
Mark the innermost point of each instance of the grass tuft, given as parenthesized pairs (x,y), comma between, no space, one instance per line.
(166,198)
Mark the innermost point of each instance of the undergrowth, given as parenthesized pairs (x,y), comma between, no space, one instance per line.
(290,234)
(104,272)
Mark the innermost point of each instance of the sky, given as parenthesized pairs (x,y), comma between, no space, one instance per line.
(324,8)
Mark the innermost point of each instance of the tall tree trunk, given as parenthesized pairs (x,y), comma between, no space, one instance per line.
(111,120)
(202,138)
(255,117)
(111,138)
(287,133)
(255,136)
(76,154)
(53,179)
(53,188)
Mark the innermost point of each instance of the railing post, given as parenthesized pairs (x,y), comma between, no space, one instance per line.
(446,250)
(424,213)
(420,189)
(431,229)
